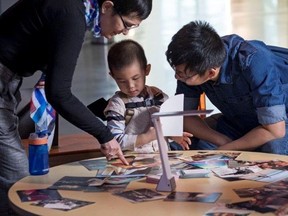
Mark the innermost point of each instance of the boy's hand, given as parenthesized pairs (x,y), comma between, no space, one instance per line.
(184,141)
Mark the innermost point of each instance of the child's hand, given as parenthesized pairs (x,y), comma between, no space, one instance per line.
(146,137)
(184,141)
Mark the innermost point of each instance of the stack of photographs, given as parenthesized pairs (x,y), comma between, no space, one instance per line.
(49,198)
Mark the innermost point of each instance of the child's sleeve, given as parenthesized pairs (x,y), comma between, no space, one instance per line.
(115,115)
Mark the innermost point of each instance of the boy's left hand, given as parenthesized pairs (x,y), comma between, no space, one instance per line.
(184,141)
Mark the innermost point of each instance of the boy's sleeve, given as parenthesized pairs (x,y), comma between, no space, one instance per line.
(115,115)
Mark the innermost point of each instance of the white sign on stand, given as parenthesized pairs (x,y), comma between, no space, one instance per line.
(167,181)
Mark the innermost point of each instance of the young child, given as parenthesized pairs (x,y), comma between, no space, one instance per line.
(129,111)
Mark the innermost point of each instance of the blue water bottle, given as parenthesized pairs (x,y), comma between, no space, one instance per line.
(38,155)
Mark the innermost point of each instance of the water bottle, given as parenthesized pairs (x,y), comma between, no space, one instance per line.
(38,155)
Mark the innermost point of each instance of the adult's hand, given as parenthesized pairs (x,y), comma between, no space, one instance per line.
(112,149)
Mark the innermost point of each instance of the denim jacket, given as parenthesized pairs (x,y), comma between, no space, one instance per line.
(252,88)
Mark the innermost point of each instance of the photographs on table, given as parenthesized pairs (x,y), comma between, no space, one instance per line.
(63,204)
(270,164)
(251,205)
(218,155)
(75,183)
(236,172)
(114,177)
(267,175)
(268,198)
(193,197)
(209,164)
(48,198)
(92,184)
(37,194)
(222,210)
(212,160)
(140,195)
(253,173)
(138,166)
(98,164)
(248,192)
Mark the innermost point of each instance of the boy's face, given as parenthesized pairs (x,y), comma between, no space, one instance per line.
(131,79)
(192,78)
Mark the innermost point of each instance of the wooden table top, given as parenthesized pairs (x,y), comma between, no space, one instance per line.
(109,204)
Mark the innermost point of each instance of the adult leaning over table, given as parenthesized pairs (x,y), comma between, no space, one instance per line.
(246,80)
(47,35)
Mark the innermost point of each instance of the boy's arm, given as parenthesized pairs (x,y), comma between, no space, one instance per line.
(257,137)
(145,138)
(116,124)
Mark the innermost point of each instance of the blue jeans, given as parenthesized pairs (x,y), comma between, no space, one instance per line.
(13,158)
(218,123)
(175,146)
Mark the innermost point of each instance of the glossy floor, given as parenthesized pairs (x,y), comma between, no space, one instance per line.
(265,20)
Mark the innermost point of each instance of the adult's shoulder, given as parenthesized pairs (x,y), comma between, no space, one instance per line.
(74,9)
(60,4)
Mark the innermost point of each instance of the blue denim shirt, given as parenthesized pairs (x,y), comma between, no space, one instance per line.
(252,88)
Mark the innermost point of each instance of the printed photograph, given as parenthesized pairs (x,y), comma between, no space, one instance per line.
(92,184)
(218,155)
(38,194)
(99,164)
(63,204)
(251,205)
(193,197)
(222,210)
(140,195)
(209,164)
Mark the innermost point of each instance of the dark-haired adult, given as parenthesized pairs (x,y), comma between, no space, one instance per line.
(246,80)
(47,35)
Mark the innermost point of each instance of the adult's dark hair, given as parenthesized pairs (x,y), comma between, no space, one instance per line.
(124,53)
(198,46)
(138,8)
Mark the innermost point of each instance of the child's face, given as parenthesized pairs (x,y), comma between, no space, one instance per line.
(131,79)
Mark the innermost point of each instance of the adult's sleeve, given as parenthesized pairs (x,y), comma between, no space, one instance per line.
(66,29)
(265,83)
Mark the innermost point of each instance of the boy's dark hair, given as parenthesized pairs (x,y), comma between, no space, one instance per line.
(141,8)
(198,46)
(124,53)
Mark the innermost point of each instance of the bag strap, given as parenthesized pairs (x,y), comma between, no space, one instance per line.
(130,106)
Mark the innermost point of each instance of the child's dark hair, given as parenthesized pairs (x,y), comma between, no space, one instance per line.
(124,53)
(198,46)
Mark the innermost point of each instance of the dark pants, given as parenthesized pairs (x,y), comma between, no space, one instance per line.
(13,158)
